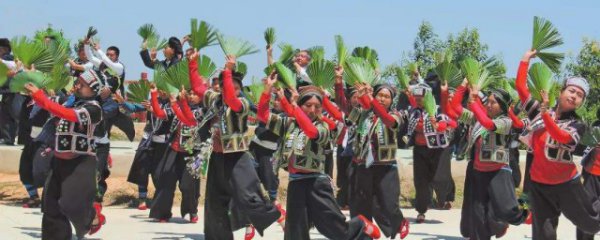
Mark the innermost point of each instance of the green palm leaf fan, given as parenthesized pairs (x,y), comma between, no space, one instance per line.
(241,68)
(367,53)
(316,53)
(156,42)
(413,68)
(58,78)
(17,84)
(476,74)
(322,73)
(429,104)
(285,76)
(202,35)
(206,67)
(91,32)
(3,74)
(32,52)
(591,138)
(49,32)
(161,81)
(341,50)
(147,31)
(138,91)
(235,46)
(60,51)
(508,86)
(254,91)
(178,76)
(546,36)
(270,36)
(540,78)
(449,73)
(401,78)
(359,70)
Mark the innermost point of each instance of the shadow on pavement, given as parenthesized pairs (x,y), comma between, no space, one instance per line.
(31,231)
(427,221)
(427,236)
(176,236)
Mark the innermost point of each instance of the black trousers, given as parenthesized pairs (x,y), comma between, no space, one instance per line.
(232,177)
(591,184)
(527,177)
(24,127)
(489,204)
(102,153)
(68,198)
(26,163)
(42,160)
(145,163)
(264,169)
(329,163)
(514,166)
(310,200)
(342,179)
(432,172)
(9,115)
(380,184)
(570,199)
(171,170)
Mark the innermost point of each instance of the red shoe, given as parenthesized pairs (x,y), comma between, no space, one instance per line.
(420,218)
(162,220)
(32,203)
(281,219)
(370,229)
(501,234)
(403,228)
(249,235)
(529,218)
(142,206)
(193,218)
(101,219)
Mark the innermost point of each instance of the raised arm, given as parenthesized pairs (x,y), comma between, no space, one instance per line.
(521,81)
(516,121)
(54,108)
(481,115)
(229,96)
(158,111)
(145,55)
(456,102)
(263,112)
(179,113)
(115,66)
(87,49)
(331,109)
(340,94)
(196,81)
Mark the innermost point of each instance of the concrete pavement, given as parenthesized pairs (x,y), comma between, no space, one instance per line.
(122,223)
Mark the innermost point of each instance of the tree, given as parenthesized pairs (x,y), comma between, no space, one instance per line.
(467,44)
(426,44)
(587,65)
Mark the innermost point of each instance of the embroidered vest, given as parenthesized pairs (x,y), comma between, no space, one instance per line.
(77,137)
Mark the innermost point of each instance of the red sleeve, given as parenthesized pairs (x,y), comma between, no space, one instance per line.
(521,82)
(262,111)
(229,92)
(452,123)
(196,80)
(330,122)
(340,97)
(457,99)
(305,124)
(364,102)
(481,115)
(180,115)
(187,112)
(158,112)
(382,113)
(442,126)
(555,132)
(516,121)
(444,102)
(56,109)
(412,101)
(331,109)
(286,106)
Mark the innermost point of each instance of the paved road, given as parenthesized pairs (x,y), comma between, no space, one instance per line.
(19,223)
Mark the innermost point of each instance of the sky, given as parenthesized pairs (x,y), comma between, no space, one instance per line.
(388,26)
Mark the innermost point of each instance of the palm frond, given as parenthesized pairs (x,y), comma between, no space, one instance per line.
(270,36)
(49,32)
(235,46)
(316,53)
(206,67)
(156,42)
(58,78)
(202,35)
(367,53)
(449,73)
(541,79)
(147,31)
(508,86)
(429,103)
(3,74)
(471,68)
(359,70)
(444,56)
(254,90)
(17,84)
(341,50)
(60,51)
(32,52)
(177,76)
(138,91)
(322,73)
(546,36)
(287,54)
(591,137)
(161,81)
(285,75)
(401,77)
(241,68)
(91,32)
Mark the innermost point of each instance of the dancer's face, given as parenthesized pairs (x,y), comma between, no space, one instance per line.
(312,108)
(384,97)
(570,98)
(492,107)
